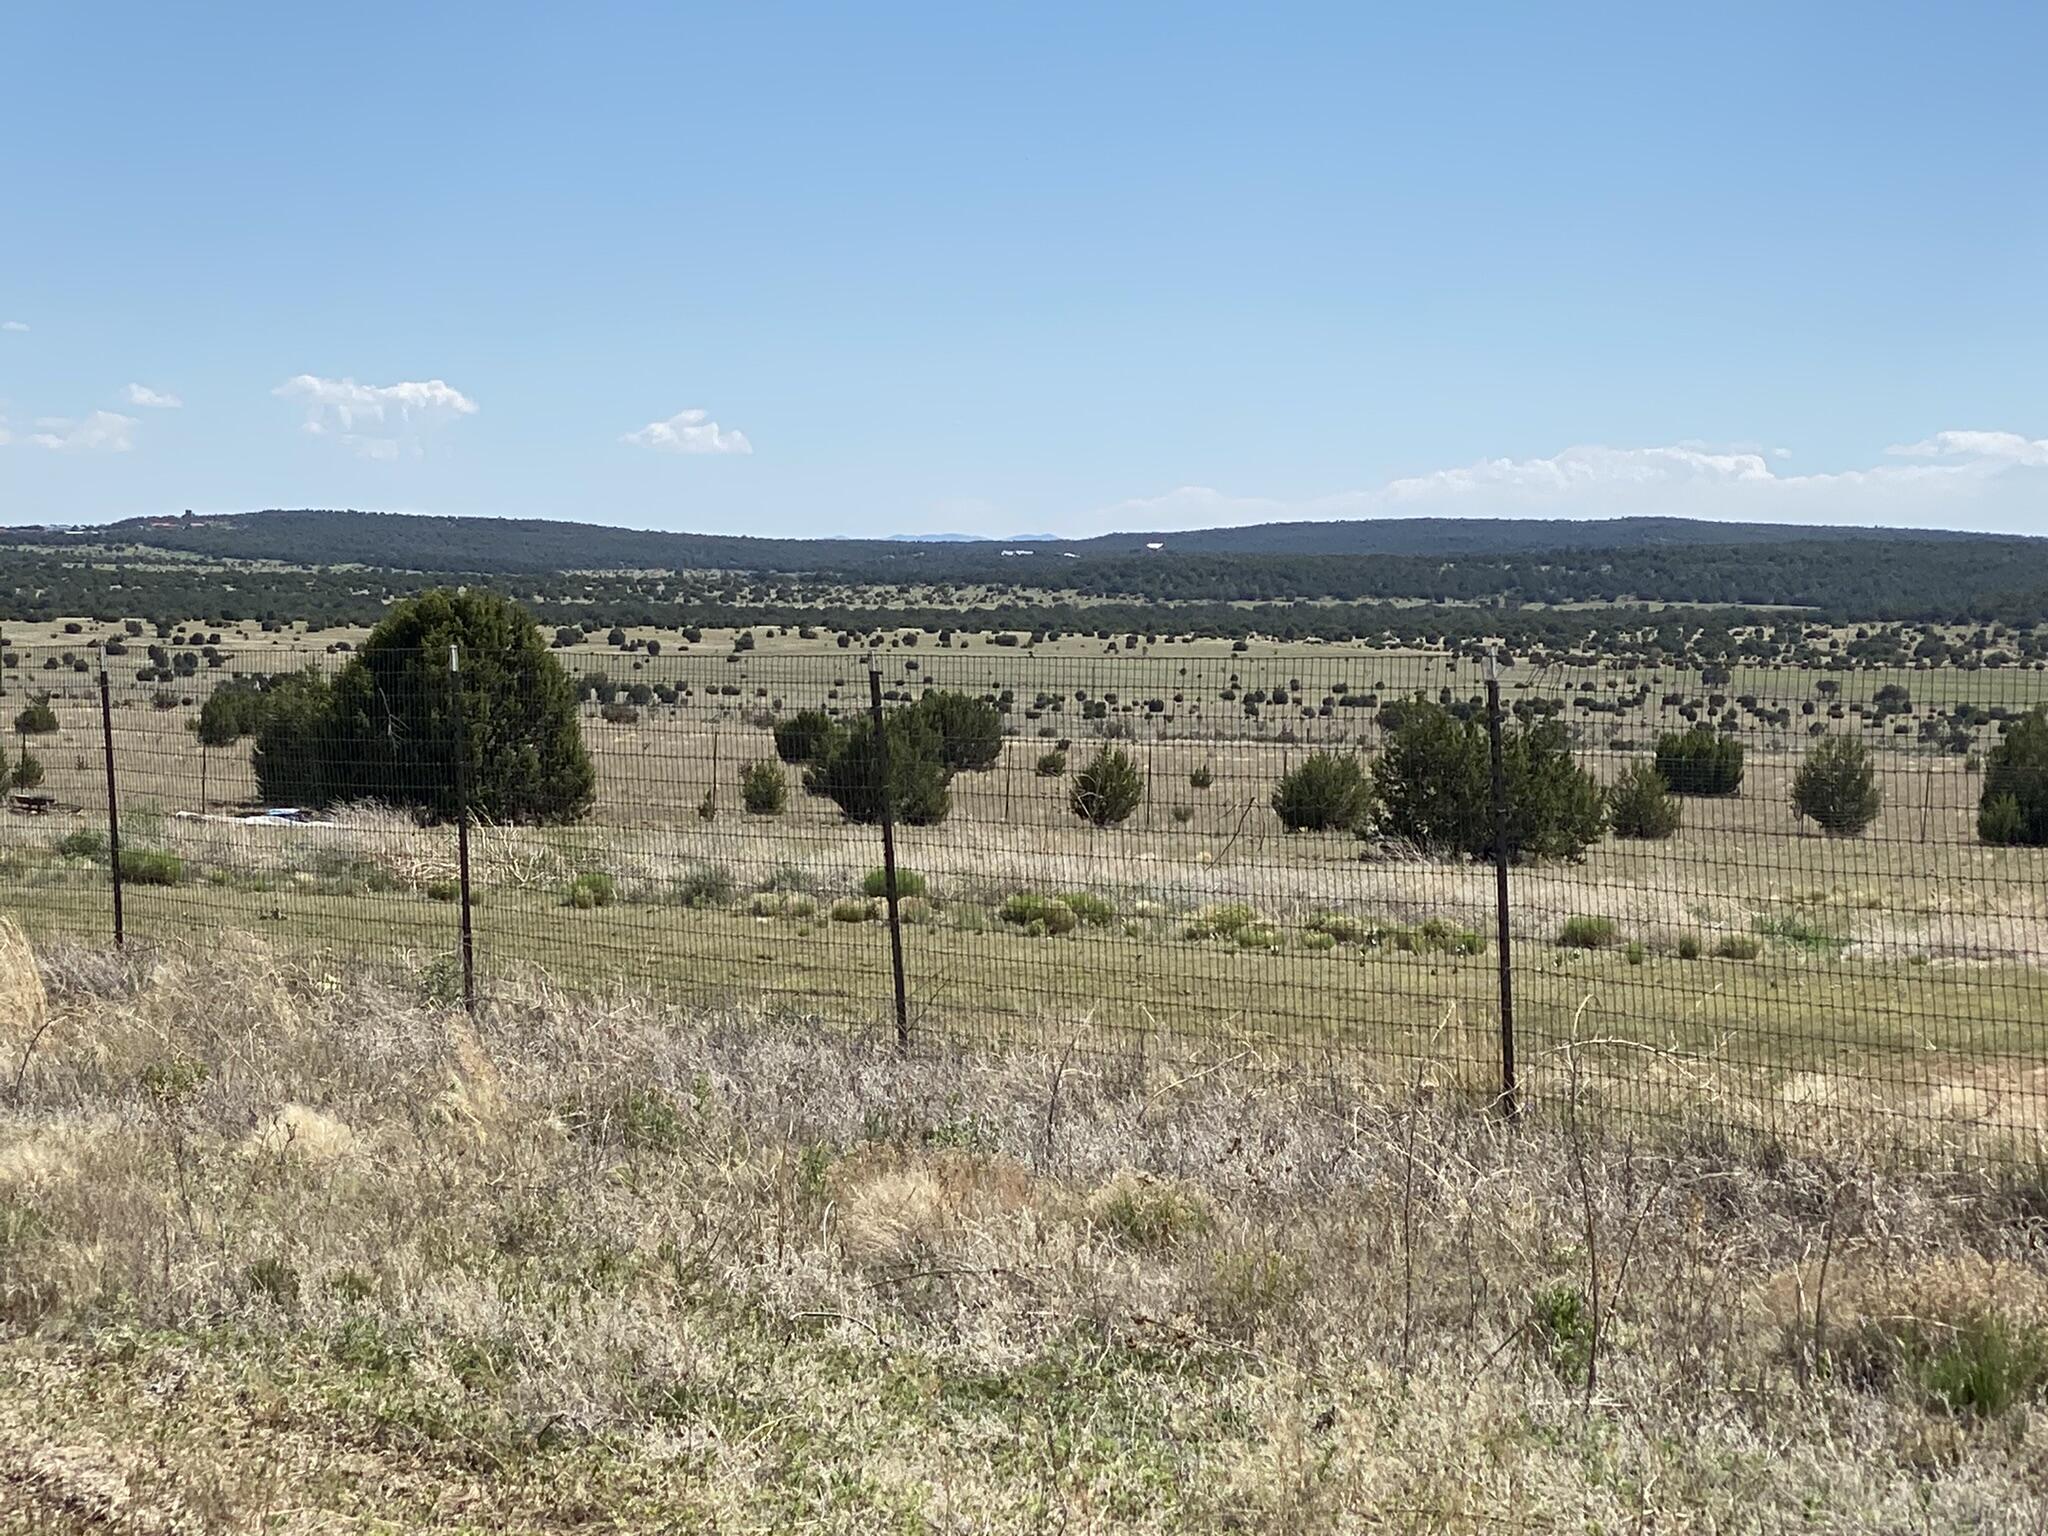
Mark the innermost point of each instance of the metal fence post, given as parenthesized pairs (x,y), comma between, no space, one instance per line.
(113,803)
(889,859)
(462,825)
(1510,1092)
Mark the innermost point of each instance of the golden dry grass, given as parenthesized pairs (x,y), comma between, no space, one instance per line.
(282,1248)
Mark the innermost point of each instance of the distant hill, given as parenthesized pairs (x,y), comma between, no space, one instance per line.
(410,542)
(1865,572)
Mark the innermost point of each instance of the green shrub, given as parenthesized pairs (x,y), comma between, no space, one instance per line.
(174,1081)
(1258,936)
(1201,777)
(1433,788)
(908,883)
(385,730)
(1340,927)
(1461,941)
(1182,815)
(2001,822)
(1835,786)
(763,790)
(807,736)
(1738,946)
(1107,789)
(592,889)
(1037,914)
(36,720)
(85,843)
(850,773)
(27,772)
(292,751)
(1582,932)
(1150,1213)
(1635,952)
(1805,931)
(702,885)
(443,889)
(148,866)
(1222,922)
(969,730)
(230,712)
(1562,1323)
(851,911)
(1326,791)
(1688,946)
(1641,805)
(1953,1336)
(1050,765)
(1433,935)
(2013,807)
(1701,761)
(1981,1366)
(1093,910)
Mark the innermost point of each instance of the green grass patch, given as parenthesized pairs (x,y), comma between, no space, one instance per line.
(1038,914)
(151,866)
(1583,932)
(1093,910)
(875,883)
(590,890)
(1804,930)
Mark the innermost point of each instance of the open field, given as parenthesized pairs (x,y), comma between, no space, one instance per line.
(1747,960)
(287,1250)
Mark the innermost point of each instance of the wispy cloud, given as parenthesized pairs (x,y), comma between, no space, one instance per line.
(375,421)
(690,431)
(1984,479)
(153,399)
(12,325)
(101,432)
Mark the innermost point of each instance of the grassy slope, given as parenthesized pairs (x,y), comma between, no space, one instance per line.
(293,1253)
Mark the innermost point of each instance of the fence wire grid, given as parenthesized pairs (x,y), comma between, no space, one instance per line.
(1091,852)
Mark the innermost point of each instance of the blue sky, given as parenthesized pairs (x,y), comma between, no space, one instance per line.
(1016,269)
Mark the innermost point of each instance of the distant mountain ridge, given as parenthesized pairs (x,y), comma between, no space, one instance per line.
(419,542)
(1849,572)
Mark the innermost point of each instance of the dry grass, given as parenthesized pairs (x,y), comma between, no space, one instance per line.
(286,1249)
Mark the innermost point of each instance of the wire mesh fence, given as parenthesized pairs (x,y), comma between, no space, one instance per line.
(1759,897)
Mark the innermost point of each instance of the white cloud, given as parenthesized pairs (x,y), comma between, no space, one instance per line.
(12,325)
(1977,479)
(1995,448)
(156,400)
(690,431)
(101,432)
(375,421)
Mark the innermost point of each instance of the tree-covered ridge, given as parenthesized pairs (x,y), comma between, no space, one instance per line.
(402,540)
(1847,573)
(45,588)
